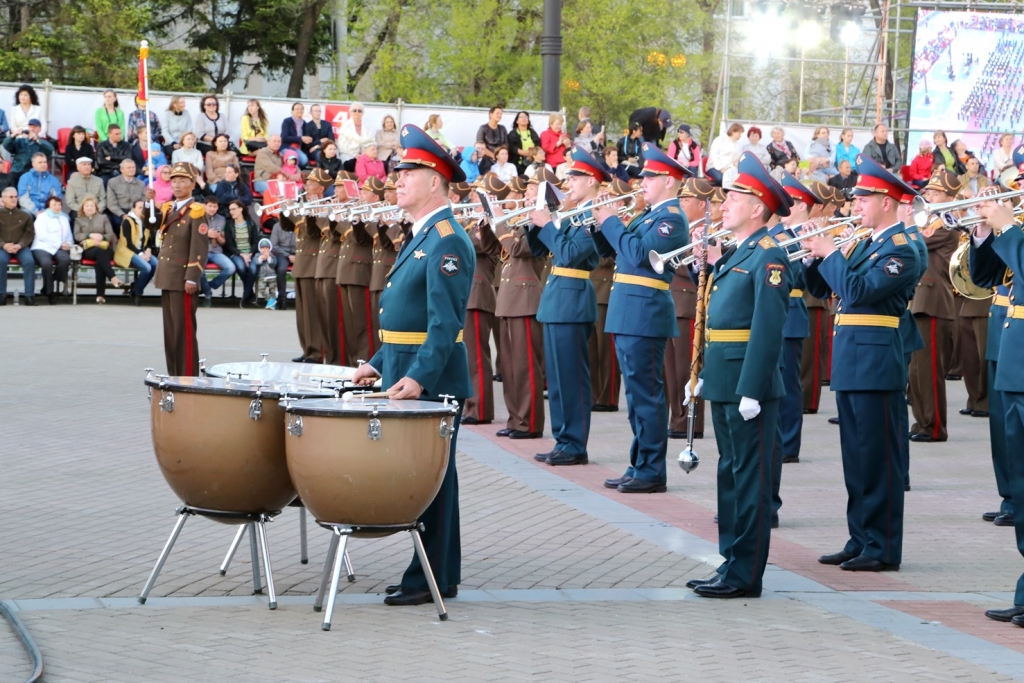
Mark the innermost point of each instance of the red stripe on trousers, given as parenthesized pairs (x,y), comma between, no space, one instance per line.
(533,385)
(613,394)
(188,332)
(343,359)
(479,367)
(369,320)
(935,381)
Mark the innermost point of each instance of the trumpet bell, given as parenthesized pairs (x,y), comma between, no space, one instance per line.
(688,460)
(960,275)
(657,262)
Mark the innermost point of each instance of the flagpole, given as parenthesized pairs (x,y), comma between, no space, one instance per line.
(144,92)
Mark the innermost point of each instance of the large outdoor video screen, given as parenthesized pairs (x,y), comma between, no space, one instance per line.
(968,79)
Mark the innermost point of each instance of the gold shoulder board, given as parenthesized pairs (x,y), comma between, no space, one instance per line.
(445,228)
(767,242)
(899,239)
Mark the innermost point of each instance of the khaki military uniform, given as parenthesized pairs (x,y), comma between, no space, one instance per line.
(355,265)
(679,355)
(307,246)
(327,291)
(480,321)
(183,255)
(386,243)
(605,375)
(973,335)
(815,361)
(954,365)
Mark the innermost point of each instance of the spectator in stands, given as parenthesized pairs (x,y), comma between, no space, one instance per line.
(883,151)
(255,129)
(790,166)
(110,114)
(943,154)
(502,167)
(369,165)
(610,157)
(684,149)
(493,135)
(209,124)
(231,188)
(264,265)
(135,248)
(1002,157)
(315,133)
(470,164)
(188,152)
(959,148)
(219,158)
(846,149)
(846,179)
(142,150)
(268,164)
(813,171)
(241,243)
(96,237)
(25,110)
(52,246)
(4,127)
(586,139)
(290,167)
(780,149)
(82,184)
(161,185)
(554,141)
(17,232)
(388,143)
(920,169)
(282,243)
(821,149)
(122,192)
(974,179)
(37,186)
(756,147)
(522,141)
(291,133)
(329,160)
(724,152)
(177,122)
(433,129)
(629,149)
(654,123)
(78,147)
(23,147)
(111,152)
(215,223)
(137,120)
(353,135)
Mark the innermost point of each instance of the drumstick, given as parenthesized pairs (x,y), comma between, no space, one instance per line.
(351,395)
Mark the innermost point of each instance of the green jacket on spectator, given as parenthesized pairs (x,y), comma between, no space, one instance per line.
(22,149)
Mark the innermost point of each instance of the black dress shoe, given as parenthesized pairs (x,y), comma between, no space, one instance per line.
(543,457)
(638,486)
(966,411)
(990,516)
(30,301)
(520,434)
(137,300)
(3,299)
(906,487)
(601,408)
(207,301)
(561,458)
(452,592)
(1004,614)
(503,432)
(979,413)
(837,558)
(863,563)
(693,583)
(826,382)
(1005,519)
(300,359)
(496,377)
(954,378)
(810,411)
(472,421)
(775,522)
(675,434)
(833,420)
(1018,621)
(716,519)
(724,591)
(921,437)
(790,458)
(52,298)
(616,483)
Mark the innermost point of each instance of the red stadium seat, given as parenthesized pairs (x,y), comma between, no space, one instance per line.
(63,137)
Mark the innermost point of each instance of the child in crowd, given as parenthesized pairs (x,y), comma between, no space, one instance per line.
(266,275)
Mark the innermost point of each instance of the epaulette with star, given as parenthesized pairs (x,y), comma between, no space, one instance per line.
(767,242)
(445,228)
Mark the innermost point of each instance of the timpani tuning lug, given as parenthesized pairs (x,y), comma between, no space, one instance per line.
(256,405)
(264,357)
(447,397)
(202,367)
(373,429)
(166,401)
(295,425)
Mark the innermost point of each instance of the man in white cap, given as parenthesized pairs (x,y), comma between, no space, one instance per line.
(81,183)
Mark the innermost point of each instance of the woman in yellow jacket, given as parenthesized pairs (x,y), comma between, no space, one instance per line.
(135,248)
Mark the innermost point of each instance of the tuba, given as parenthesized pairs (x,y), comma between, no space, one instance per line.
(960,274)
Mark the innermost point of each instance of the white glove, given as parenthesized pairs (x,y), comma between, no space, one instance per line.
(749,408)
(688,398)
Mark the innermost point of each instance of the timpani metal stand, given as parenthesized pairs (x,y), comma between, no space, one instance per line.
(256,523)
(338,551)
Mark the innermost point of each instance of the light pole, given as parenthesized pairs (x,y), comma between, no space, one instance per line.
(551,56)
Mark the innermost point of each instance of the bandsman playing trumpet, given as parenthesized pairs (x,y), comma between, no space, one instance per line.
(307,247)
(392,228)
(359,341)
(326,267)
(814,359)
(641,313)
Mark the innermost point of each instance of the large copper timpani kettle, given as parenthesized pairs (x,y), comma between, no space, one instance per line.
(368,467)
(220,445)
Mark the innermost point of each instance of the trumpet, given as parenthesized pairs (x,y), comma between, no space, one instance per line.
(971,221)
(630,198)
(460,207)
(922,210)
(363,211)
(726,243)
(831,224)
(672,258)
(856,236)
(262,209)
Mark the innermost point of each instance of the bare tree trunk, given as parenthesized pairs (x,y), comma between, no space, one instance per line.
(310,14)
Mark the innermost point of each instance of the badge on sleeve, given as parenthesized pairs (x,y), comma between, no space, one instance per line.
(449,264)
(893,267)
(203,229)
(775,273)
(665,229)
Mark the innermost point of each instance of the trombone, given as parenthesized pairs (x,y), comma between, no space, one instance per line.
(922,210)
(672,258)
(630,198)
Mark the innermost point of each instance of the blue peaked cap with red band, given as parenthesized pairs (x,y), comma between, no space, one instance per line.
(754,179)
(873,179)
(422,152)
(798,191)
(657,163)
(581,163)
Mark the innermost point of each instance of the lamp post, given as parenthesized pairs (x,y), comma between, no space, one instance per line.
(551,56)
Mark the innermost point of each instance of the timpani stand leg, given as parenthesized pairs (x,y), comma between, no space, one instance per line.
(183,515)
(335,575)
(303,551)
(325,576)
(261,529)
(257,586)
(428,572)
(348,569)
(231,550)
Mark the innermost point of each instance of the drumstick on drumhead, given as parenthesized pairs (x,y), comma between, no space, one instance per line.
(352,395)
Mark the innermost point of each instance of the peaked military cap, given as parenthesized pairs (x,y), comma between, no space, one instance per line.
(657,162)
(754,179)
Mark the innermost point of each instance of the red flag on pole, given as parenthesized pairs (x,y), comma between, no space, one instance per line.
(143,55)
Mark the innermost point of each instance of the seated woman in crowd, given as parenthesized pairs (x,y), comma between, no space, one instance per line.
(135,248)
(26,107)
(821,150)
(433,129)
(389,144)
(522,140)
(95,235)
(943,154)
(554,140)
(470,164)
(1002,157)
(78,147)
(538,160)
(241,242)
(756,147)
(177,122)
(921,167)
(161,186)
(137,120)
(724,152)
(188,152)
(52,246)
(109,114)
(846,149)
(209,124)
(780,149)
(684,149)
(959,149)
(585,138)
(369,165)
(329,159)
(315,133)
(502,167)
(232,187)
(218,158)
(255,129)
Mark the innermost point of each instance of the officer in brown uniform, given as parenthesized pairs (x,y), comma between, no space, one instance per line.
(516,190)
(522,337)
(679,350)
(307,246)
(973,335)
(391,231)
(182,263)
(480,309)
(355,265)
(932,307)
(814,360)
(317,183)
(605,374)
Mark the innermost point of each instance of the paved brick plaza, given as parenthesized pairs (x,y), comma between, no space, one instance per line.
(563,580)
